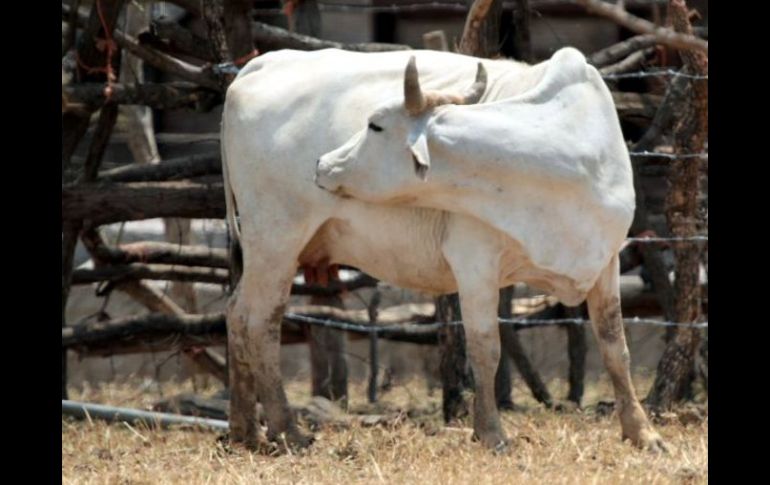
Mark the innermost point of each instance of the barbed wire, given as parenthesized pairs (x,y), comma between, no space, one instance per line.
(430,326)
(670,156)
(653,73)
(698,238)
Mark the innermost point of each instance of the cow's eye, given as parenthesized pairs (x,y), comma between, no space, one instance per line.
(374,127)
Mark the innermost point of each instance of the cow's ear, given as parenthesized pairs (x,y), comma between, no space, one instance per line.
(419,147)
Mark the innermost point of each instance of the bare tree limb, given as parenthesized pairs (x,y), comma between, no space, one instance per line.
(630,63)
(158,59)
(179,40)
(106,203)
(156,301)
(151,252)
(274,38)
(621,50)
(171,169)
(165,332)
(662,35)
(188,95)
(139,271)
(165,62)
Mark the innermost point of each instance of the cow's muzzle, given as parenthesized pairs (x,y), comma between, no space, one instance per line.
(324,178)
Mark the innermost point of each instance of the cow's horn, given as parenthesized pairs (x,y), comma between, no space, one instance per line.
(414,101)
(474,93)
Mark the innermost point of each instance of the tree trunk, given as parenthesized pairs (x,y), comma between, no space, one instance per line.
(329,368)
(512,345)
(676,366)
(454,367)
(481,35)
(503,382)
(577,349)
(521,31)
(307,18)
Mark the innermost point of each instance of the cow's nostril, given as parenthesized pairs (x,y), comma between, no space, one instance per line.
(317,163)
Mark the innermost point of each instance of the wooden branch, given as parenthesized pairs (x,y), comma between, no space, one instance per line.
(139,271)
(156,301)
(72,22)
(171,169)
(167,261)
(273,38)
(636,104)
(676,367)
(171,37)
(470,43)
(521,30)
(158,332)
(192,6)
(640,26)
(156,96)
(75,123)
(106,203)
(165,62)
(238,29)
(158,59)
(621,50)
(150,252)
(630,63)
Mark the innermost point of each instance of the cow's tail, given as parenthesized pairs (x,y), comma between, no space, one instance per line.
(233,230)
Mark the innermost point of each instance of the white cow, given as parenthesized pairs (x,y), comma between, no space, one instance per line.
(288,108)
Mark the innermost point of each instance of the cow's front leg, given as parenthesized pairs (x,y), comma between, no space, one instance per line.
(607,320)
(479,309)
(478,285)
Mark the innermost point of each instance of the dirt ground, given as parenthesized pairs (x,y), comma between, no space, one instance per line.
(554,447)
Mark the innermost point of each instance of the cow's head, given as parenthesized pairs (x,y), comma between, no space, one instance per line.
(390,156)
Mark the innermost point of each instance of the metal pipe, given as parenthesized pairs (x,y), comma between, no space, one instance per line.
(128,415)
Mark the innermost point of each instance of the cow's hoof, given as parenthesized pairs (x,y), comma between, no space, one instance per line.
(648,439)
(229,444)
(493,441)
(292,441)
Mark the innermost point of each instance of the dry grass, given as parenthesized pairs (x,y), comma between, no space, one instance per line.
(547,447)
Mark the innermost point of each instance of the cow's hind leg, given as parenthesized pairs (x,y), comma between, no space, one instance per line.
(254,330)
(604,310)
